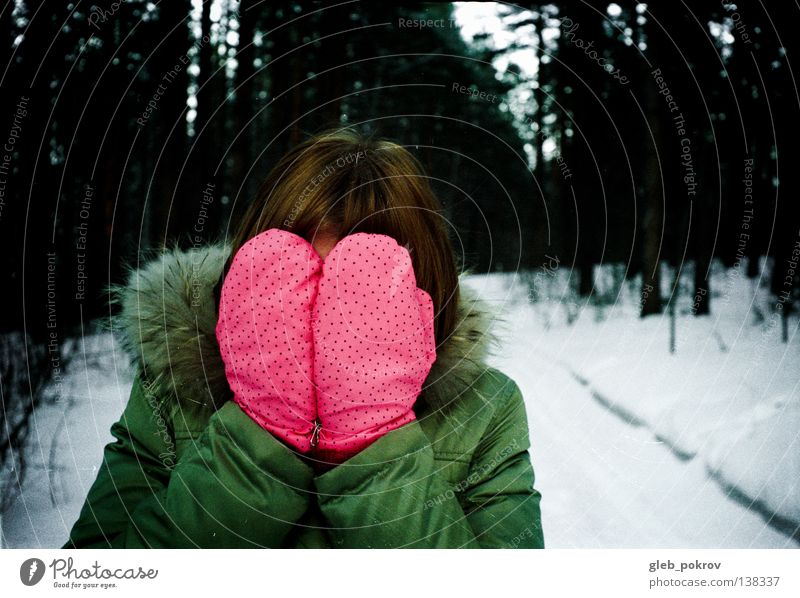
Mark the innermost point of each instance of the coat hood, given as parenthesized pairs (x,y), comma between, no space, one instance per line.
(167,318)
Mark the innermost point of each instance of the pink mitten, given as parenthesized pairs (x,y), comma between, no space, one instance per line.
(373,343)
(264,333)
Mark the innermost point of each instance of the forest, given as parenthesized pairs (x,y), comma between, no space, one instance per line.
(658,138)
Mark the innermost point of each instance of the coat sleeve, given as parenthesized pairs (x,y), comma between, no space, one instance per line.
(500,501)
(392,495)
(135,465)
(236,486)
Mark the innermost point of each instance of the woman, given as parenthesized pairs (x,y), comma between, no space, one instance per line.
(318,383)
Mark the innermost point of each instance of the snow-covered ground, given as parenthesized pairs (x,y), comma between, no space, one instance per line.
(66,444)
(633,446)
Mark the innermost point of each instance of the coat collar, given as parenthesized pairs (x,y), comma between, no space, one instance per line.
(167,317)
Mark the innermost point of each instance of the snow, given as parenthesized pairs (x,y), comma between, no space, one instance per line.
(65,446)
(632,446)
(707,436)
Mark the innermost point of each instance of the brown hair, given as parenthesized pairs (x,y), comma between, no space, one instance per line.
(340,183)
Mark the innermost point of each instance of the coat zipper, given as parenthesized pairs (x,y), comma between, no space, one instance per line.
(315,433)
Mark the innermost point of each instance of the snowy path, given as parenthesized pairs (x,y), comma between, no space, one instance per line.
(65,447)
(606,483)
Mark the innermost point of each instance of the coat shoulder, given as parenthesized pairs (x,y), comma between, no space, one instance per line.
(497,383)
(509,417)
(490,412)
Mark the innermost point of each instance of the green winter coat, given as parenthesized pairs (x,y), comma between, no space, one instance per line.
(189,468)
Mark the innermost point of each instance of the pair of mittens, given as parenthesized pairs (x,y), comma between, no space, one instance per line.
(326,355)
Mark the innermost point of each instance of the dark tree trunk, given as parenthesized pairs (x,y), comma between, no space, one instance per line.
(171,147)
(652,201)
(245,102)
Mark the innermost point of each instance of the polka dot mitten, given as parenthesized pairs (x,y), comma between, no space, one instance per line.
(374,343)
(264,333)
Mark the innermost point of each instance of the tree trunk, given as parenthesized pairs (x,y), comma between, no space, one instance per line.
(652,202)
(171,106)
